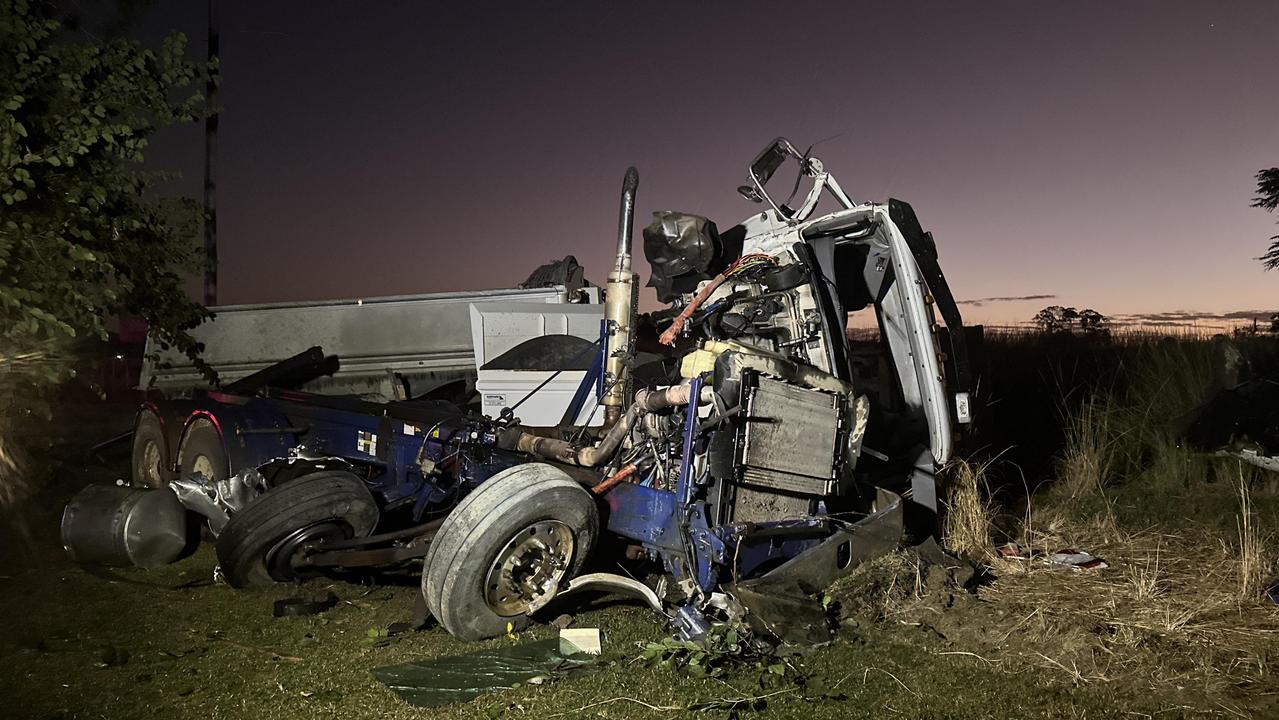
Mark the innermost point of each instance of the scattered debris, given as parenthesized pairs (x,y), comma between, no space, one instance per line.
(581,640)
(1076,560)
(402,628)
(298,607)
(1065,557)
(112,656)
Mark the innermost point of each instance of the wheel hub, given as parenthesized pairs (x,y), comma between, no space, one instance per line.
(530,566)
(286,560)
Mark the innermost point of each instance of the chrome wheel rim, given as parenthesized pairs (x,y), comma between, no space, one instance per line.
(529,567)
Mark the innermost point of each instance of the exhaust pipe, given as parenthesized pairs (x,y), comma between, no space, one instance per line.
(626,220)
(621,299)
(599,453)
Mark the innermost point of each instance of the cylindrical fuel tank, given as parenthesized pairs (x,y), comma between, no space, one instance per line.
(122,526)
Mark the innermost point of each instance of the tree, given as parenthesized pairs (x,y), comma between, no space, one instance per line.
(1058,319)
(82,239)
(1092,322)
(1268,199)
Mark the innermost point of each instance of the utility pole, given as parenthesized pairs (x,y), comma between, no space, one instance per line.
(210,149)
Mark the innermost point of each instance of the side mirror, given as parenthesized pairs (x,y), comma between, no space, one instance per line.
(765,166)
(750,193)
(767,162)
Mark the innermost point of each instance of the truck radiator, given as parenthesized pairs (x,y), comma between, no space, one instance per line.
(792,438)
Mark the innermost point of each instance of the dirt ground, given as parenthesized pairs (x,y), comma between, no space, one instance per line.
(81,643)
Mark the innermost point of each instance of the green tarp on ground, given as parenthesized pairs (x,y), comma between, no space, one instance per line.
(459,678)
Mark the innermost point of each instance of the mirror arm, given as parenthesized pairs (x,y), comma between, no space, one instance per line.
(810,202)
(838,192)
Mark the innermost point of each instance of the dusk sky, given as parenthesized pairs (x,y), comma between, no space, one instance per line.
(1101,153)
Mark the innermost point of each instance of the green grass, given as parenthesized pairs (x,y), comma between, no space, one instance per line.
(205,651)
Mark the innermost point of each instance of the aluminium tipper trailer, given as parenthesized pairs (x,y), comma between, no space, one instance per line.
(378,350)
(381,342)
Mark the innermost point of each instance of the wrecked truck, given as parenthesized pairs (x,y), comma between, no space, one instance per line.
(733,454)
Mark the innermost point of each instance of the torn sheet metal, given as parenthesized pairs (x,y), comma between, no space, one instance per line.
(784,603)
(217,500)
(1064,558)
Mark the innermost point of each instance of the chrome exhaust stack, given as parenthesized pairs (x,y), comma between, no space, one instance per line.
(621,299)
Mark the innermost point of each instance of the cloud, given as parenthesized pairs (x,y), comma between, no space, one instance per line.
(1190,318)
(1014,298)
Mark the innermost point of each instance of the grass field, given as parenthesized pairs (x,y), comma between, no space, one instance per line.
(1174,627)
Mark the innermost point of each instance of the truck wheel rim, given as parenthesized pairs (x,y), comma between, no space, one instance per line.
(532,564)
(286,560)
(150,470)
(203,465)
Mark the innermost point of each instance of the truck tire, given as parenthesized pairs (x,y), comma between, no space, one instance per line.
(150,454)
(524,528)
(201,451)
(261,544)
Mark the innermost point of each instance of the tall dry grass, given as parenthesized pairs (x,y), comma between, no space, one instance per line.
(1120,433)
(967,527)
(1252,562)
(1181,603)
(1099,448)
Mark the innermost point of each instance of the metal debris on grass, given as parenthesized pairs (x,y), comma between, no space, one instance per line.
(1065,557)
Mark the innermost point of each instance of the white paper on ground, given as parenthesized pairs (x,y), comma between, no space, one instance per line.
(580,640)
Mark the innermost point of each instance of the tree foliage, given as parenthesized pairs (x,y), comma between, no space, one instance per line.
(1057,319)
(82,238)
(1268,199)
